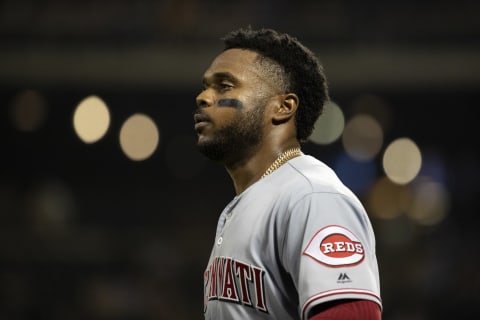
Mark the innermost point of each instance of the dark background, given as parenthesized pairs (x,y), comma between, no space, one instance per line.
(133,238)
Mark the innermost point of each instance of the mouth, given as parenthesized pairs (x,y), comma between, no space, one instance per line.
(200,120)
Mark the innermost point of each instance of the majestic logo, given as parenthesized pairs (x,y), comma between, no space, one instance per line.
(343,278)
(335,246)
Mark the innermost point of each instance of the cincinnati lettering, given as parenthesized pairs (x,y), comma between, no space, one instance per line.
(230,280)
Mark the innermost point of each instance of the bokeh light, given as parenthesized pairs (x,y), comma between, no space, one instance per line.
(139,137)
(329,126)
(362,137)
(431,202)
(91,119)
(28,110)
(402,160)
(388,200)
(51,207)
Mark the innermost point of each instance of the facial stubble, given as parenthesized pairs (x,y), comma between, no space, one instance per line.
(236,140)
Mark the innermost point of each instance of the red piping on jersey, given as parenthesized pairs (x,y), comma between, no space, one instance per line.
(336,292)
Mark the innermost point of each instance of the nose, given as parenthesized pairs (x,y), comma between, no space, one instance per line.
(204,99)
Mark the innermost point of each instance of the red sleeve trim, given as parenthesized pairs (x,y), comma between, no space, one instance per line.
(347,294)
(347,309)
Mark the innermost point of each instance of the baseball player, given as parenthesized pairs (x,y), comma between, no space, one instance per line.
(295,242)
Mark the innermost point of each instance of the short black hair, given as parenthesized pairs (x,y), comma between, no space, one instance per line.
(303,71)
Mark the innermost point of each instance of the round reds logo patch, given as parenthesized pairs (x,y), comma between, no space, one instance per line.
(335,246)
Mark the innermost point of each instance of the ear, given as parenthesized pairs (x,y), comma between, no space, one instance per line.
(286,108)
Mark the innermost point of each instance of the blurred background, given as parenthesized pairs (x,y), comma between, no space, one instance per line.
(107,211)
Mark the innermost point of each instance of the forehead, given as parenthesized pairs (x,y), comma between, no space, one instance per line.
(238,62)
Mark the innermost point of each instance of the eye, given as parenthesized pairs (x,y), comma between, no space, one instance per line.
(225,86)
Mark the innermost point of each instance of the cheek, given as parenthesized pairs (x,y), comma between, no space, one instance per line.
(257,98)
(223,116)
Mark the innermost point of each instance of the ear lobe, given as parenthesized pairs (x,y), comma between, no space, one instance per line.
(287,107)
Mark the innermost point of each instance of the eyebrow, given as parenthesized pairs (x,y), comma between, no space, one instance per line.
(221,76)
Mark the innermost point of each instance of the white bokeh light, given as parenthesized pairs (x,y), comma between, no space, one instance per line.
(402,160)
(91,119)
(139,137)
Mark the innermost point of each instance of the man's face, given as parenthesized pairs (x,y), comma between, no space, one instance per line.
(230,117)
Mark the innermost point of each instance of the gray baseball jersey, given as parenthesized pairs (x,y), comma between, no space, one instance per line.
(292,240)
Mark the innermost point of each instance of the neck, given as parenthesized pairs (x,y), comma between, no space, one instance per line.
(260,164)
(283,158)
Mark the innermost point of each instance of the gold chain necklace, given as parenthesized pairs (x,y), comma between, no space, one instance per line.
(282,158)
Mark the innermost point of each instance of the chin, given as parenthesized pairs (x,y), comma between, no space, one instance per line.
(211,150)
